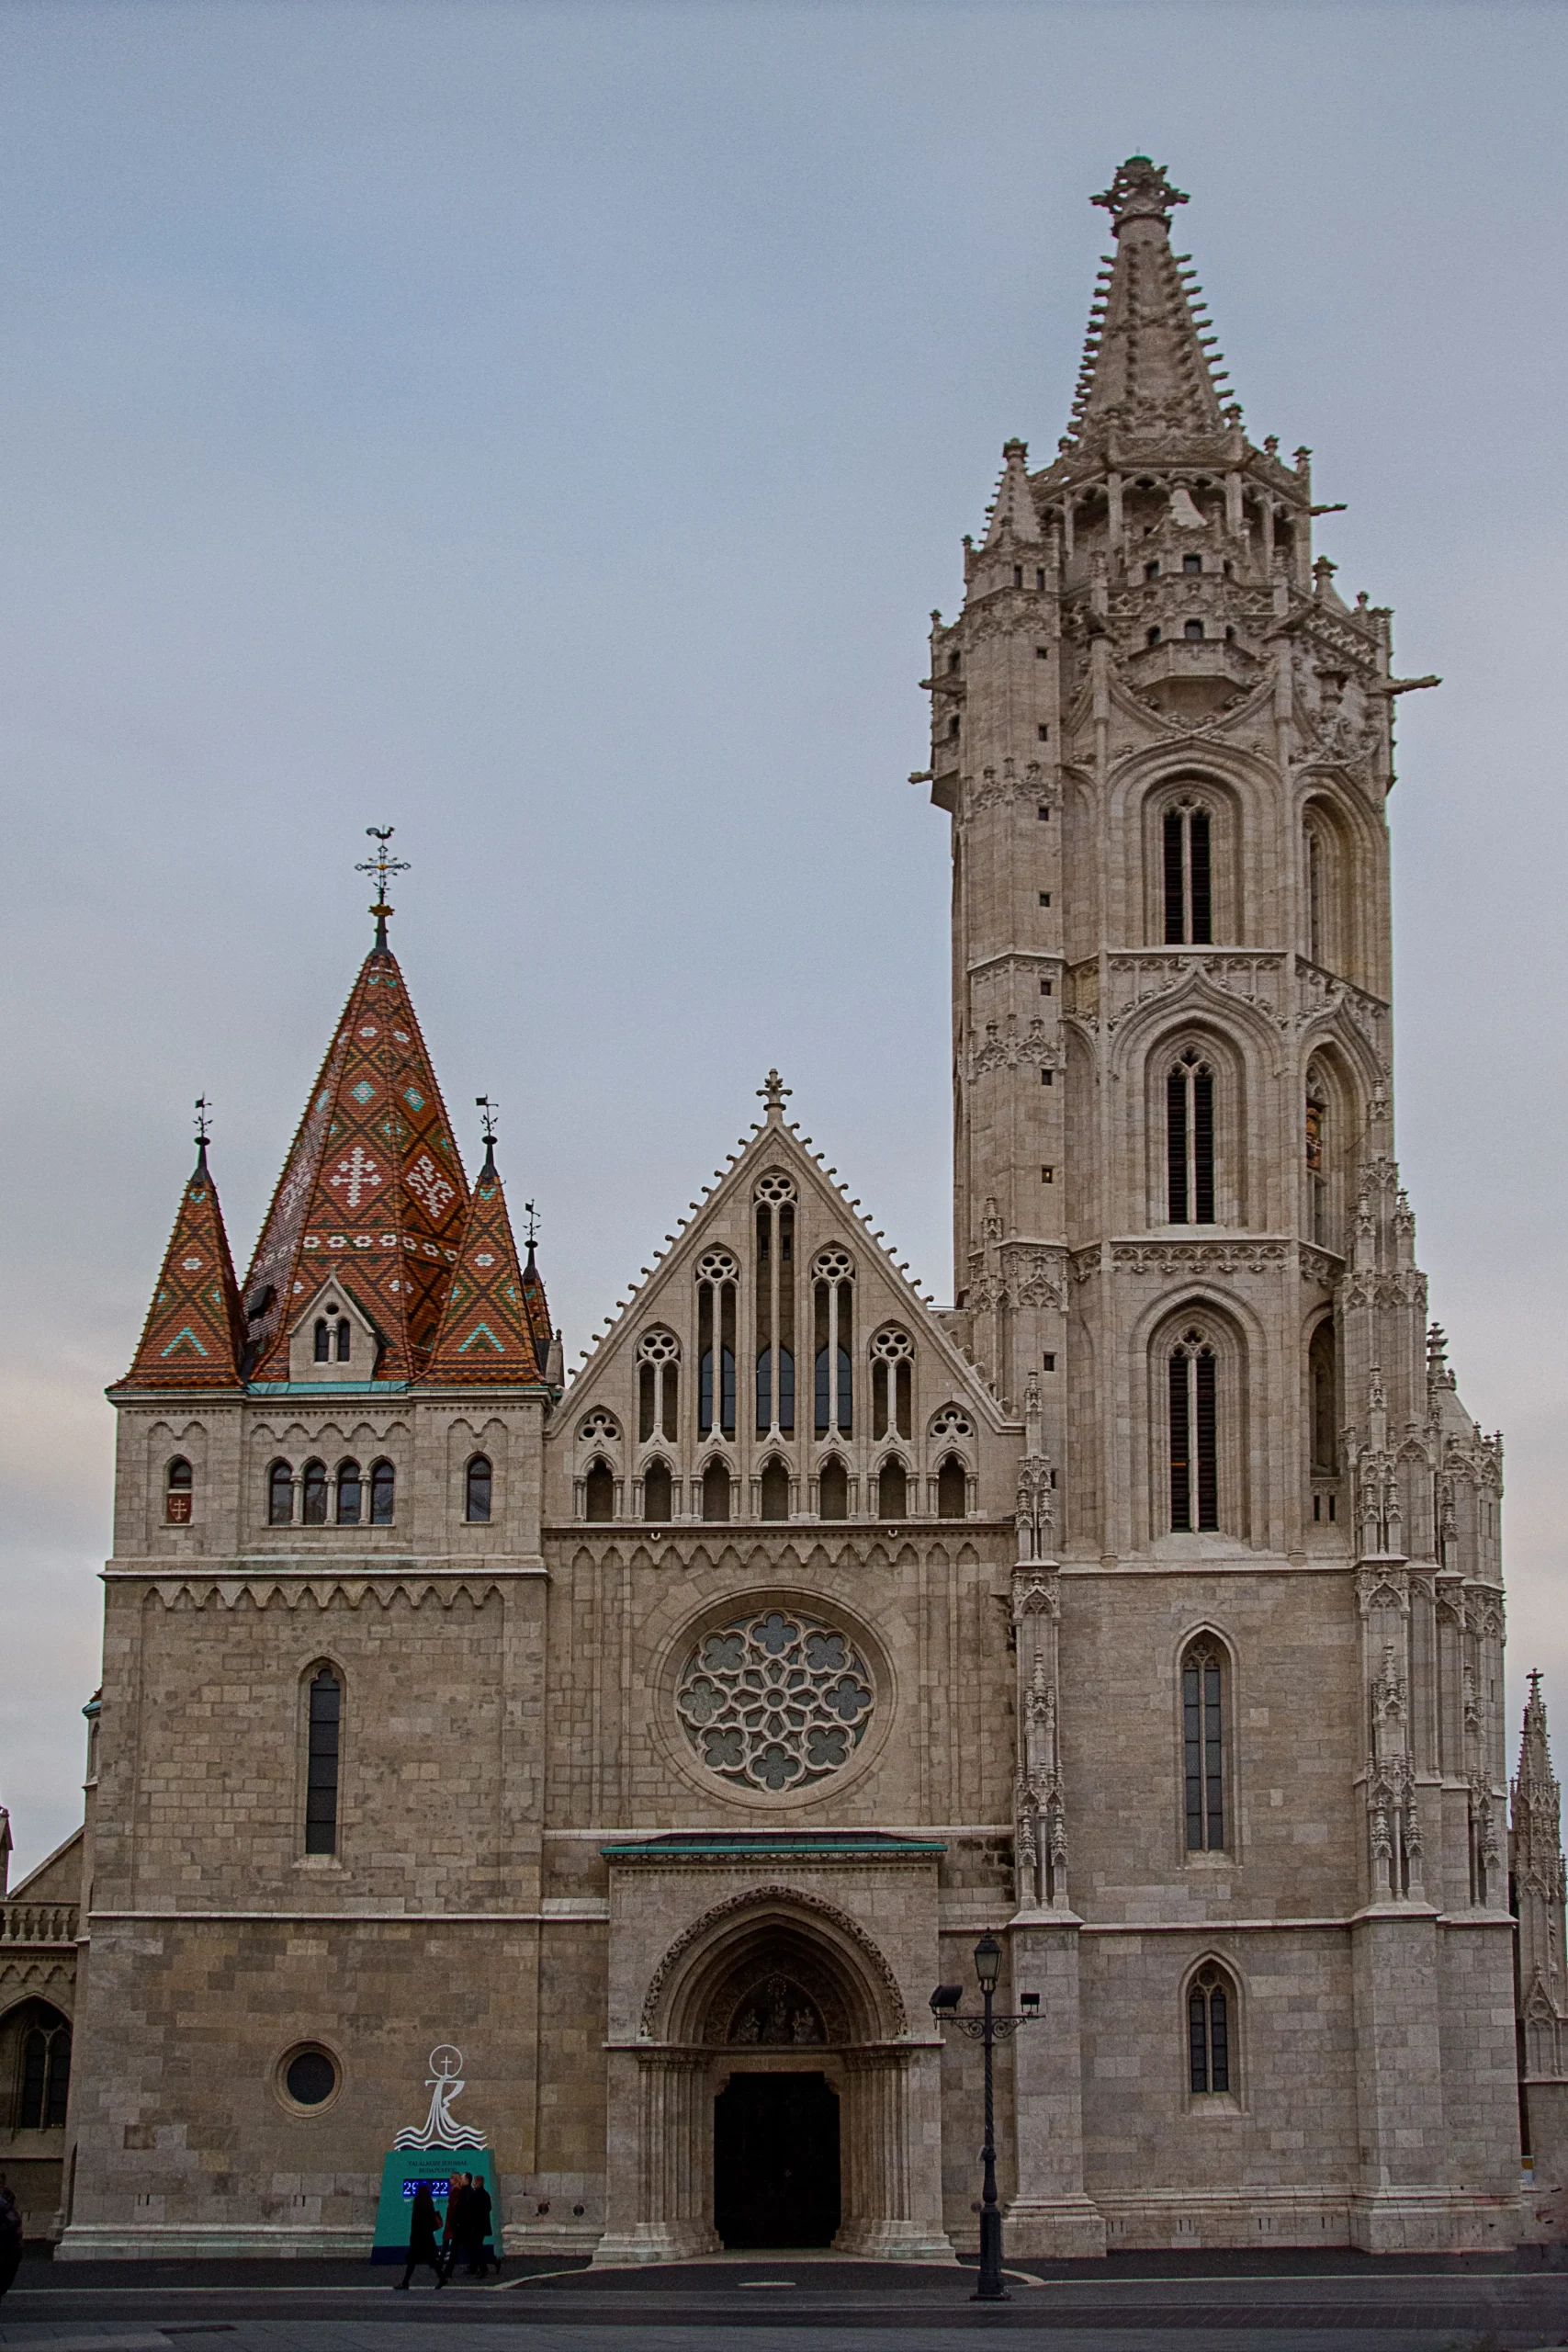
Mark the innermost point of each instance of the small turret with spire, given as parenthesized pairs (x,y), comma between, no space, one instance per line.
(1539,1883)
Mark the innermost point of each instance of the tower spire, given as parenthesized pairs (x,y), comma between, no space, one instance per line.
(489,1336)
(192,1336)
(1148,368)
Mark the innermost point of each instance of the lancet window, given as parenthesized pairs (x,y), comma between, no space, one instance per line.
(599,1491)
(478,1487)
(1191,1406)
(350,1494)
(1210,2024)
(177,1487)
(1187,875)
(322,1737)
(279,1495)
(333,1338)
(716,1489)
(773,1489)
(1317,1157)
(718,1277)
(658,1359)
(952,1488)
(45,2085)
(1189,1139)
(315,1491)
(834,1489)
(383,1493)
(892,1489)
(657,1493)
(891,1384)
(1203,1746)
(833,1342)
(775,1215)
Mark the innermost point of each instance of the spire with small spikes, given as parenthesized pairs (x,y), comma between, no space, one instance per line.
(1149,366)
(194,1329)
(1013,514)
(488,1335)
(1535,1865)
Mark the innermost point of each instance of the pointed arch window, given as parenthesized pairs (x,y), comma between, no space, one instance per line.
(1188,875)
(658,1399)
(952,1488)
(892,1489)
(716,1489)
(775,1213)
(891,1384)
(1203,1746)
(773,1494)
(1312,845)
(833,1342)
(44,2089)
(323,1744)
(599,1491)
(383,1493)
(718,1275)
(1318,1142)
(478,1488)
(658,1494)
(350,1494)
(833,1490)
(1211,2026)
(177,1487)
(1193,1435)
(315,1493)
(1189,1139)
(280,1495)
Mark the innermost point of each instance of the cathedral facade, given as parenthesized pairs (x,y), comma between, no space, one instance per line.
(659,1740)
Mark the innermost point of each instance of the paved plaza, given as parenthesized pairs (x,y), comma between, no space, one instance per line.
(1333,2302)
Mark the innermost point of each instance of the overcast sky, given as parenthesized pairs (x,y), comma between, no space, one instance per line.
(547,429)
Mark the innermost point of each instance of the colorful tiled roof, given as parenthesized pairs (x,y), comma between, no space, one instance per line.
(193,1326)
(373,1181)
(488,1335)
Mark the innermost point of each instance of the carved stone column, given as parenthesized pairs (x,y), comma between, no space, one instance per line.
(889,2139)
(661,2157)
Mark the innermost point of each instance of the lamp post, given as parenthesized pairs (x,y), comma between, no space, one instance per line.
(987,2030)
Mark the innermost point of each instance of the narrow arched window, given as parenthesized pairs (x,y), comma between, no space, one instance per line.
(383,1493)
(1322,1403)
(1189,887)
(44,2089)
(1312,848)
(717,1277)
(345,1340)
(280,1495)
(775,1304)
(1211,2018)
(716,1490)
(178,1484)
(1193,1435)
(833,1341)
(599,1492)
(315,1493)
(892,1384)
(322,1349)
(833,1490)
(476,1484)
(658,1492)
(322,1751)
(774,1490)
(892,1489)
(952,1489)
(1317,1159)
(350,1495)
(1203,1746)
(1189,1139)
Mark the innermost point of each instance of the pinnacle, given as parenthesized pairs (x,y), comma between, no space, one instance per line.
(1150,366)
(1013,513)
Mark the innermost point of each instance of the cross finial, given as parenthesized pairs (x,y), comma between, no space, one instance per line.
(773,1094)
(382,866)
(1140,191)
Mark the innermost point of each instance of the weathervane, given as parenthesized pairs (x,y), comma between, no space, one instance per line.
(532,1213)
(381,865)
(203,1128)
(488,1110)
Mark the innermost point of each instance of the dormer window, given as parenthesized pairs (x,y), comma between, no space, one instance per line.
(332,1334)
(334,1340)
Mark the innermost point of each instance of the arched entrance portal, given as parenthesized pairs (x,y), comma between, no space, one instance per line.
(777,2093)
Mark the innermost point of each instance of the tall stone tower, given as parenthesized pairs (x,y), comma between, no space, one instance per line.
(1164,744)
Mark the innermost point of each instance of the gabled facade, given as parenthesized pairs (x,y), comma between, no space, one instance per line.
(660,1741)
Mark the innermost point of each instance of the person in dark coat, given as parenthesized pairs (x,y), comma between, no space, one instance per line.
(477,2216)
(452,2235)
(422,2244)
(10,2236)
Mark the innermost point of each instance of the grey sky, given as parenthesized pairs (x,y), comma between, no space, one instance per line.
(549,429)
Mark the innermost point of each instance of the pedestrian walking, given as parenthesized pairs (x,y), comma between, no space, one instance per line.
(452,2235)
(477,2220)
(10,2236)
(424,2246)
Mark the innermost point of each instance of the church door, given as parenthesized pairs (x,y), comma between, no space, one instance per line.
(775,2161)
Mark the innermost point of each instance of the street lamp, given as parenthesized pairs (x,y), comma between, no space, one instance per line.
(987,2030)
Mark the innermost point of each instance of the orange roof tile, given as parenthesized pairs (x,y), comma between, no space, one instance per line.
(488,1335)
(193,1326)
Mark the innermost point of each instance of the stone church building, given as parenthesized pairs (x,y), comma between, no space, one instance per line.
(659,1740)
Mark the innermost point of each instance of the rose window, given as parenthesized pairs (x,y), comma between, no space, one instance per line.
(775,1701)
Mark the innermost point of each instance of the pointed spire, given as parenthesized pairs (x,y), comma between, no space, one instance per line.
(1535,1784)
(372,1193)
(1147,368)
(1013,513)
(194,1329)
(488,1335)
